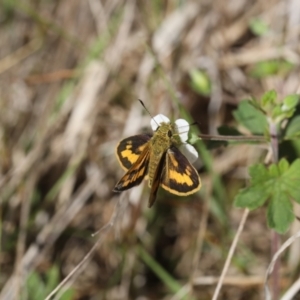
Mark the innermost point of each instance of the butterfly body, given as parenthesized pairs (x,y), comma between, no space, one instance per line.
(158,158)
(161,141)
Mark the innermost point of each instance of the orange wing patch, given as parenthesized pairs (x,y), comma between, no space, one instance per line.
(129,150)
(179,176)
(135,175)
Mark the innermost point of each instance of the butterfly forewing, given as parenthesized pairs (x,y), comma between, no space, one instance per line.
(179,176)
(129,149)
(136,173)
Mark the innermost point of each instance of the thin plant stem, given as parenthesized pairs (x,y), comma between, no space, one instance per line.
(230,254)
(275,238)
(227,138)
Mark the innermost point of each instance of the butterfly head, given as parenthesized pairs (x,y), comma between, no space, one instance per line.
(176,133)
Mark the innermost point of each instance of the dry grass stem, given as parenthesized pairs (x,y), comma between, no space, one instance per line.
(230,254)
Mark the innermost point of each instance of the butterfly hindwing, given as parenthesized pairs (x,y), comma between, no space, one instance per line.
(135,175)
(179,176)
(129,149)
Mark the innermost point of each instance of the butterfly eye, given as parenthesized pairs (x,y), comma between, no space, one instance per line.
(170,133)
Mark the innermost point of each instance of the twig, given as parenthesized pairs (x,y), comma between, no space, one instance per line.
(230,254)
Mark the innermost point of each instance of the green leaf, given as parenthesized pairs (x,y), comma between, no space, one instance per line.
(52,278)
(290,102)
(258,27)
(35,287)
(68,295)
(280,212)
(227,130)
(293,128)
(269,98)
(193,138)
(251,118)
(280,183)
(258,173)
(251,198)
(291,180)
(270,67)
(283,166)
(276,111)
(200,82)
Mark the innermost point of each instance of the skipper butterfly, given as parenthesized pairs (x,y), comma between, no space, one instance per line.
(158,157)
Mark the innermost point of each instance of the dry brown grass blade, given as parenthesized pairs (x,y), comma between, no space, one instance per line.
(20,54)
(48,236)
(230,254)
(295,288)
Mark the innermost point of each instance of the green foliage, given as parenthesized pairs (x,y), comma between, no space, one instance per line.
(193,138)
(254,114)
(250,117)
(279,184)
(200,82)
(270,67)
(37,288)
(258,27)
(293,128)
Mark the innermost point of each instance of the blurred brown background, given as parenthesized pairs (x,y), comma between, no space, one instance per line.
(70,76)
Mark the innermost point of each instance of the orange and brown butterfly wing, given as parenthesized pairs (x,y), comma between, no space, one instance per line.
(136,173)
(129,149)
(179,177)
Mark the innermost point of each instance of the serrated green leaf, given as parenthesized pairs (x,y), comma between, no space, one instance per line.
(251,198)
(280,183)
(250,117)
(293,128)
(280,212)
(290,102)
(269,98)
(258,173)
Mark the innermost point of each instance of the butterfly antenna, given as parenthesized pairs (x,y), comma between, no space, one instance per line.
(148,111)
